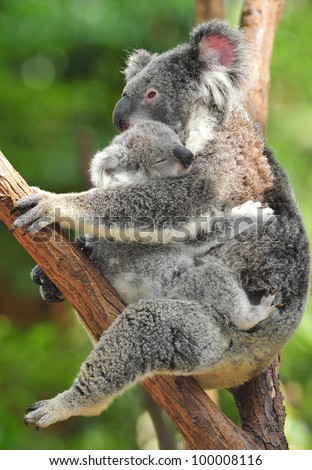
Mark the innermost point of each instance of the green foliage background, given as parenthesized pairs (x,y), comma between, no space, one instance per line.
(60,65)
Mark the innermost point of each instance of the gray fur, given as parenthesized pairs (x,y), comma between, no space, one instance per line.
(143,152)
(199,98)
(136,62)
(157,271)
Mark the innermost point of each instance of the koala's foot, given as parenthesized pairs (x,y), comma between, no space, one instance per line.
(254,210)
(65,405)
(46,412)
(48,289)
(258,313)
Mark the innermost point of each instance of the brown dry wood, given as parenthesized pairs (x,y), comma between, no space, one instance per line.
(260,20)
(200,422)
(261,407)
(207,9)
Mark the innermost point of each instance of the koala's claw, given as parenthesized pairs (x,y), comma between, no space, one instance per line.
(36,415)
(48,290)
(43,413)
(36,212)
(280,306)
(51,297)
(83,245)
(24,204)
(28,230)
(266,305)
(35,406)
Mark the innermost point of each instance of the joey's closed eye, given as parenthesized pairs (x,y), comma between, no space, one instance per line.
(150,95)
(160,162)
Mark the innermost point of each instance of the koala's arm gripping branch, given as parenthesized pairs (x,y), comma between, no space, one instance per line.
(200,422)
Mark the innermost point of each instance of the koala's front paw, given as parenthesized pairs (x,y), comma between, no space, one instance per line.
(83,244)
(258,313)
(46,412)
(254,211)
(48,290)
(266,214)
(38,211)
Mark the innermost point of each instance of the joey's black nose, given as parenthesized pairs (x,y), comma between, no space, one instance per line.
(183,154)
(121,113)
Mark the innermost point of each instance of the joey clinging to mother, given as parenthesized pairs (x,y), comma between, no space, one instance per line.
(196,89)
(147,151)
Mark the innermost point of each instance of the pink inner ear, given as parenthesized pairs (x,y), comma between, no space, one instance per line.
(220,44)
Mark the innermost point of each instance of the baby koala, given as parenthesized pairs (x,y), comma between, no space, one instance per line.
(149,150)
(152,150)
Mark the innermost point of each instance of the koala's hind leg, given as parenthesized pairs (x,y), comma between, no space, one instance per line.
(213,284)
(150,336)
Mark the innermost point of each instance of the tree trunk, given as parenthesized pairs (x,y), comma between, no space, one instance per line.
(260,20)
(207,9)
(260,401)
(261,408)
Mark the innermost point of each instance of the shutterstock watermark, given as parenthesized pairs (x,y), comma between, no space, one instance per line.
(202,227)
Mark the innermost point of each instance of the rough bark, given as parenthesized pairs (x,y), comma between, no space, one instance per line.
(261,408)
(207,9)
(260,19)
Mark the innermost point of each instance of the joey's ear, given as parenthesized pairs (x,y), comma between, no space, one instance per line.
(136,62)
(219,47)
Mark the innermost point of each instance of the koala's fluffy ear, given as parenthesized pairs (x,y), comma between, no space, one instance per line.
(219,47)
(136,62)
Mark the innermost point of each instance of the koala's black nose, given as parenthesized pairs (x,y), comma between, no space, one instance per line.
(183,154)
(121,113)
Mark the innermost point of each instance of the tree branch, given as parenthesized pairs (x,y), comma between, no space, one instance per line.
(207,9)
(260,405)
(260,20)
(260,401)
(200,422)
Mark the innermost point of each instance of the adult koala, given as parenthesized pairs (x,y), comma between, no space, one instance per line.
(195,89)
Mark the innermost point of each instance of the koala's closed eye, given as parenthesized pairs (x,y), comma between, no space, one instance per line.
(159,162)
